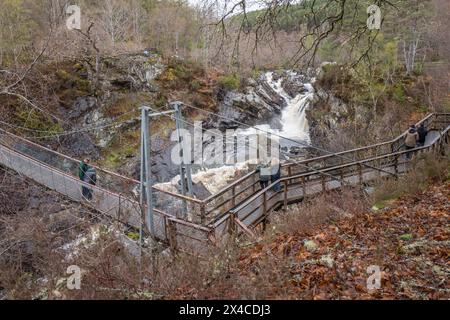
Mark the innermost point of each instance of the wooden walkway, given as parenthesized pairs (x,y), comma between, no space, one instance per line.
(255,210)
(256,206)
(241,205)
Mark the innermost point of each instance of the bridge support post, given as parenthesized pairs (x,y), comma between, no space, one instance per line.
(232,228)
(304,186)
(233,195)
(146,196)
(146,190)
(185,166)
(202,213)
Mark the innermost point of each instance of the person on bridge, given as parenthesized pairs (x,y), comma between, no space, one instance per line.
(264,174)
(422,132)
(275,168)
(82,168)
(411,140)
(90,178)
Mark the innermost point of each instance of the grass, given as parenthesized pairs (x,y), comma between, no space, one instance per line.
(427,169)
(123,146)
(126,103)
(35,120)
(230,82)
(317,211)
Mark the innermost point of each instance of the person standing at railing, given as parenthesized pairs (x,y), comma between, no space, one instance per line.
(422,132)
(275,168)
(90,177)
(411,140)
(264,174)
(83,169)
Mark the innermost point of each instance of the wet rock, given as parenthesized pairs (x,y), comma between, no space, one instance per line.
(294,83)
(163,168)
(258,102)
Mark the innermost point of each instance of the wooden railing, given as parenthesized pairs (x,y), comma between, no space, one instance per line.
(256,208)
(231,196)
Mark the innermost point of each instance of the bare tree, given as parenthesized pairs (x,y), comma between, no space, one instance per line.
(321,20)
(115,19)
(414,17)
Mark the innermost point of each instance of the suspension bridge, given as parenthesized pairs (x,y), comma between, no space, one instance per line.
(240,207)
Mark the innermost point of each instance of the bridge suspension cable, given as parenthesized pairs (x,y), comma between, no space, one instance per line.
(301,164)
(53,134)
(286,138)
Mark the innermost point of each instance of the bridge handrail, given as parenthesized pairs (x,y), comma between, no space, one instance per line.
(97,189)
(65,174)
(99,169)
(320,158)
(398,153)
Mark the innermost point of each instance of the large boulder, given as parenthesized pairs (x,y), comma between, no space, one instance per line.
(81,145)
(81,106)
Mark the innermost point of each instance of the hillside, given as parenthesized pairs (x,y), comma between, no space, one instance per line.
(409,240)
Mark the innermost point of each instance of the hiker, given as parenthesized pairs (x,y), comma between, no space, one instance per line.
(422,132)
(411,140)
(82,174)
(90,177)
(84,165)
(264,174)
(275,169)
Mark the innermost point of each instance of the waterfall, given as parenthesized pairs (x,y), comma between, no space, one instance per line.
(294,123)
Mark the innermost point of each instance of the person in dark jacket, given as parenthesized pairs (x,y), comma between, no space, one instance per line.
(275,168)
(90,177)
(83,169)
(264,174)
(422,132)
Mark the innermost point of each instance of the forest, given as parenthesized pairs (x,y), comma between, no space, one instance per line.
(342,86)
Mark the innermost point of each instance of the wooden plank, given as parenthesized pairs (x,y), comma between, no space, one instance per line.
(244,228)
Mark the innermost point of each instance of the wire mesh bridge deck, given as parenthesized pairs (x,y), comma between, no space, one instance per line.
(240,207)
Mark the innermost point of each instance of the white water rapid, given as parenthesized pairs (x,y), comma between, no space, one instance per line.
(294,123)
(294,126)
